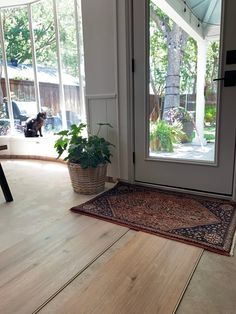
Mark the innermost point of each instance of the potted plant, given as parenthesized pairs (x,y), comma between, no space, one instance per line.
(163,135)
(181,115)
(87,158)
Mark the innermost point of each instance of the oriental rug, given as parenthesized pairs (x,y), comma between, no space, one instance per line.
(208,223)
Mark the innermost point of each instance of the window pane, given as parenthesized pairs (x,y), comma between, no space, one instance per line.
(19,60)
(20,65)
(70,61)
(46,56)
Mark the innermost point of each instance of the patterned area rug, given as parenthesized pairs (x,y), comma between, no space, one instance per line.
(205,222)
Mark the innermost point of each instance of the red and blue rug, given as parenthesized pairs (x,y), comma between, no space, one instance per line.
(204,222)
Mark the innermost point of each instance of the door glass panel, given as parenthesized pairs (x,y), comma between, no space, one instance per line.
(183,61)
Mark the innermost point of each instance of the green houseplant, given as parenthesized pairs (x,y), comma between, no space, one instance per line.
(87,157)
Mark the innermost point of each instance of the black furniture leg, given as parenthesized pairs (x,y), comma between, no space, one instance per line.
(4,186)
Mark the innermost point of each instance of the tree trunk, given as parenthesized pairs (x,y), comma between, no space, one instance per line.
(176,42)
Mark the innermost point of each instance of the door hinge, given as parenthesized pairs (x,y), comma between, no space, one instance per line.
(133,65)
(133,157)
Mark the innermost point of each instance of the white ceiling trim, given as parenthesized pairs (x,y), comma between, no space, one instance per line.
(188,22)
(199,4)
(210,11)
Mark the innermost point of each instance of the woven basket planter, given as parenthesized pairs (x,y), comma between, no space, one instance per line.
(87,181)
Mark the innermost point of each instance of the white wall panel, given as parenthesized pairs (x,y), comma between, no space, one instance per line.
(106,70)
(124,91)
(99,45)
(104,110)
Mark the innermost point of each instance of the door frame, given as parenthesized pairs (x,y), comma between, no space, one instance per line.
(131,117)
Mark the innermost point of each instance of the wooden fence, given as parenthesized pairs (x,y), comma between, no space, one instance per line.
(23,90)
(187,101)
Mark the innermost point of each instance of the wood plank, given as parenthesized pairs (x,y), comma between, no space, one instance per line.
(82,282)
(148,275)
(42,194)
(35,269)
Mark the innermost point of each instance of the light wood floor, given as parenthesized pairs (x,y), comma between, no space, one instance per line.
(55,261)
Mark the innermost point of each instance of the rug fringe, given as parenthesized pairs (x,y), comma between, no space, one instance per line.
(233,245)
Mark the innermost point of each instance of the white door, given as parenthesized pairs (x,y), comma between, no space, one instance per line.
(173,82)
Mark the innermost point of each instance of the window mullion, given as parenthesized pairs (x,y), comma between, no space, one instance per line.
(59,66)
(4,59)
(34,61)
(79,41)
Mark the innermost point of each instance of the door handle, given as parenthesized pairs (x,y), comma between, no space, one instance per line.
(229,78)
(219,79)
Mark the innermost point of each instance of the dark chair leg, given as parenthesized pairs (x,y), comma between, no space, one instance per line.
(4,186)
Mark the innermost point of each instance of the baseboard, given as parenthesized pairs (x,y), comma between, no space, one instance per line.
(45,158)
(33,157)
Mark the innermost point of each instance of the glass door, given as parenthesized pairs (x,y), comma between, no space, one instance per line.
(184,130)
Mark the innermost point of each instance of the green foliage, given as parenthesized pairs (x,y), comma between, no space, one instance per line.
(210,114)
(188,71)
(166,134)
(209,137)
(17,34)
(158,51)
(87,151)
(210,133)
(212,67)
(68,40)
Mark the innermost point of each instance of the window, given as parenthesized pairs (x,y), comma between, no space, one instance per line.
(42,45)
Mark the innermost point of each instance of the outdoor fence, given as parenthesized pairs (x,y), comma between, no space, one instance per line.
(23,90)
(187,101)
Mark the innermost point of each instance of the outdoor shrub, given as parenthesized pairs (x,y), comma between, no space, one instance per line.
(210,114)
(186,138)
(181,116)
(209,137)
(166,134)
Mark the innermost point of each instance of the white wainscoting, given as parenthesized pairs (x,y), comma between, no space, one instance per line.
(103,109)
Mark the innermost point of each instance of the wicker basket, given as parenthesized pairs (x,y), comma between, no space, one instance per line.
(87,181)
